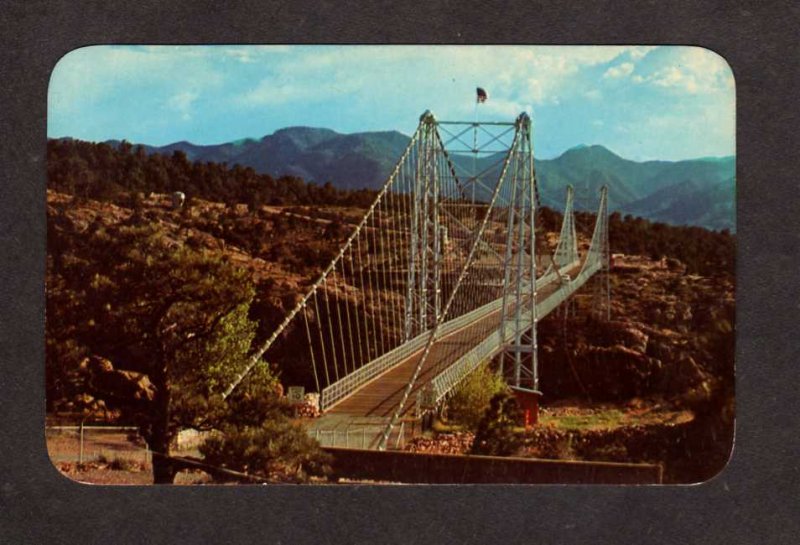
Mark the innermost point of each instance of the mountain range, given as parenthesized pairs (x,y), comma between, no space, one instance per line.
(690,192)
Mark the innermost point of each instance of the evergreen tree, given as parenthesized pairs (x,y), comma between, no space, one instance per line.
(179,316)
(495,435)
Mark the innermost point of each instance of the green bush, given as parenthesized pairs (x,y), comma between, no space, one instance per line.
(277,449)
(471,398)
(496,435)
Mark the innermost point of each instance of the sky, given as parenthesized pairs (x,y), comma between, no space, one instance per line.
(642,102)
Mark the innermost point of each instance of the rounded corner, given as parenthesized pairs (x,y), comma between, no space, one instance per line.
(720,57)
(60,62)
(720,471)
(53,468)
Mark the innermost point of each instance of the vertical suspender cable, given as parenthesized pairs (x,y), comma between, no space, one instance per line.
(259,352)
(330,329)
(311,348)
(350,332)
(359,291)
(321,340)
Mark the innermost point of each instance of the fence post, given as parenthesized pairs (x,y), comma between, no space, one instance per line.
(80,450)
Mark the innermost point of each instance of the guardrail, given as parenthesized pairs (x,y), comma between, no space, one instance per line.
(357,435)
(345,386)
(448,379)
(429,468)
(85,443)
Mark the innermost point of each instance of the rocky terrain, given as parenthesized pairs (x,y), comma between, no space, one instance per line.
(652,384)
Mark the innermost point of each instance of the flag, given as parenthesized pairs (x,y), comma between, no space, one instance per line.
(482,95)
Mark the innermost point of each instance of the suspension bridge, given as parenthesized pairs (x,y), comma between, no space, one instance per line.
(444,271)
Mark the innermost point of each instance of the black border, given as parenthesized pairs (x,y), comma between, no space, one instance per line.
(754,500)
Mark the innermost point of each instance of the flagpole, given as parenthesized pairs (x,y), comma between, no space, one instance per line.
(474,147)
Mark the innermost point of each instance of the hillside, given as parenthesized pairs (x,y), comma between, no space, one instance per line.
(668,350)
(117,250)
(647,189)
(711,205)
(364,160)
(349,161)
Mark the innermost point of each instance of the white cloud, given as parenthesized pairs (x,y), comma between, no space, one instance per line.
(593,94)
(669,77)
(505,108)
(182,103)
(639,52)
(623,128)
(536,90)
(693,70)
(253,53)
(620,71)
(274,93)
(90,73)
(299,88)
(514,74)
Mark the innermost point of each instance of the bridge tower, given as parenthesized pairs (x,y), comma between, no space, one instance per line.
(441,274)
(424,294)
(519,266)
(601,305)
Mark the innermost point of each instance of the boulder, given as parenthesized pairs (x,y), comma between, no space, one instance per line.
(118,385)
(627,334)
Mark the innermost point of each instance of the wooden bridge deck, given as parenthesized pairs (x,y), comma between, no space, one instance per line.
(381,396)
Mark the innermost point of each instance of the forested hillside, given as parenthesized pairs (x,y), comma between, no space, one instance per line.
(145,298)
(690,192)
(124,174)
(106,172)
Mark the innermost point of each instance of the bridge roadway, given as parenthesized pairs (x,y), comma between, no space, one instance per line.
(381,396)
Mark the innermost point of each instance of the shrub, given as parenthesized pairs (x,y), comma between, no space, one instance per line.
(496,435)
(276,449)
(471,399)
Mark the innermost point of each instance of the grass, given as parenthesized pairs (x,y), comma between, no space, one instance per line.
(120,464)
(604,417)
(439,426)
(597,419)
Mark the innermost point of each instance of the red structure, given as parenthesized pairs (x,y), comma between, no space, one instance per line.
(528,401)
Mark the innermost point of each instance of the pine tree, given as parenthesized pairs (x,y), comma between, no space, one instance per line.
(147,304)
(496,435)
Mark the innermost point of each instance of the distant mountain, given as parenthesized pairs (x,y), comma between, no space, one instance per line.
(349,161)
(689,202)
(631,180)
(697,192)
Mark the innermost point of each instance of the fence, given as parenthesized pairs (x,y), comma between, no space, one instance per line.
(357,436)
(83,444)
(417,467)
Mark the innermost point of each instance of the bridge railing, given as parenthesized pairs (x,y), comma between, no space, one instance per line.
(348,384)
(491,345)
(443,383)
(345,386)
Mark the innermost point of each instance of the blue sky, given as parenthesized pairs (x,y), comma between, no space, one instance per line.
(643,103)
